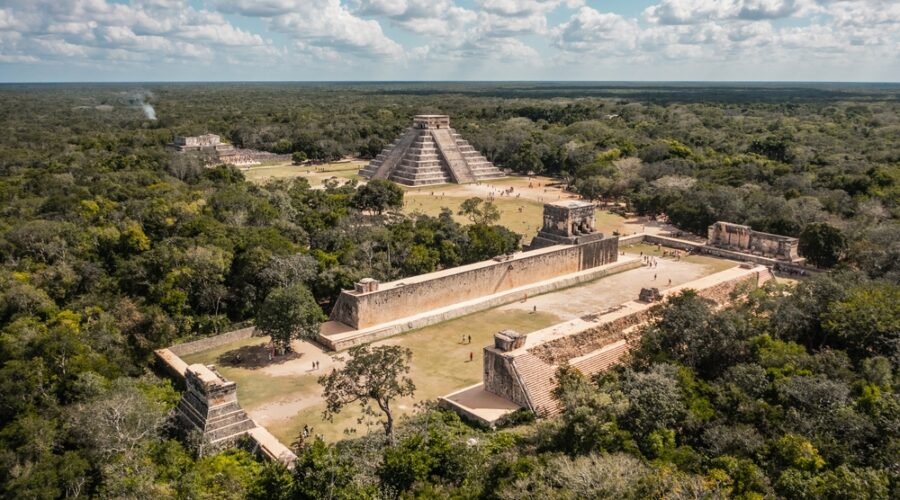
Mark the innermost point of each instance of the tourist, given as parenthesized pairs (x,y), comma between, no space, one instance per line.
(470,339)
(471,356)
(654,277)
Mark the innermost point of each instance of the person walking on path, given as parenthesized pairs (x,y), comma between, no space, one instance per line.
(471,356)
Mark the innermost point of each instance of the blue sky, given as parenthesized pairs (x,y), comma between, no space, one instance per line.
(613,40)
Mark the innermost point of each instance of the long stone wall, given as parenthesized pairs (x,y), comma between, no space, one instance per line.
(560,350)
(409,297)
(558,345)
(214,341)
(347,340)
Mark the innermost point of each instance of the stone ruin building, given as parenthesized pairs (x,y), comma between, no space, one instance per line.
(521,369)
(568,222)
(209,404)
(206,142)
(219,151)
(430,152)
(743,239)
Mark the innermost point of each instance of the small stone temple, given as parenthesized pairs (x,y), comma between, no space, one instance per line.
(430,152)
(568,222)
(219,151)
(209,404)
(210,142)
(743,239)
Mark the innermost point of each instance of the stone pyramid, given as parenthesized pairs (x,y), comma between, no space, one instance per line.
(430,152)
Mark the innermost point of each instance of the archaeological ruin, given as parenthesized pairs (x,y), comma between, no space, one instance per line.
(209,405)
(218,152)
(520,369)
(743,239)
(375,310)
(566,222)
(430,152)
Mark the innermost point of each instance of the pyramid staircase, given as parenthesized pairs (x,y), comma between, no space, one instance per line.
(430,152)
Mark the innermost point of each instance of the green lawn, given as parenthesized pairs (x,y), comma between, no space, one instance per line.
(521,215)
(525,222)
(440,364)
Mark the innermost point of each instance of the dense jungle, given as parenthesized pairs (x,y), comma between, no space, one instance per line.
(112,246)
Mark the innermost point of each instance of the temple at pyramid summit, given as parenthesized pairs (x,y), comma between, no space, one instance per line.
(430,152)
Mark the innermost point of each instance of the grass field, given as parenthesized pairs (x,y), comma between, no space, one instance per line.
(520,215)
(316,174)
(440,364)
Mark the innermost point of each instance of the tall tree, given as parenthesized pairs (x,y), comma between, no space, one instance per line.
(479,211)
(822,244)
(373,375)
(290,313)
(377,196)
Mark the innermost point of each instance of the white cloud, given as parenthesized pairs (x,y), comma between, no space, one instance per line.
(455,35)
(100,30)
(589,30)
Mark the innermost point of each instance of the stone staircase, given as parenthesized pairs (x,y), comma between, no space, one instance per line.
(430,152)
(537,380)
(601,359)
(479,166)
(454,158)
(421,164)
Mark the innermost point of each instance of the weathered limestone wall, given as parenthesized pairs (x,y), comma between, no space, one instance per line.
(666,241)
(743,238)
(435,290)
(500,377)
(357,337)
(560,344)
(214,341)
(561,350)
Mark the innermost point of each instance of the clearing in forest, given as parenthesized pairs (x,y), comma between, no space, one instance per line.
(283,395)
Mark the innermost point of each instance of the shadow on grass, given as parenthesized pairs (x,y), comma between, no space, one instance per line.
(253,357)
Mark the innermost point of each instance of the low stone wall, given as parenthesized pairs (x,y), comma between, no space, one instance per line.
(410,297)
(211,342)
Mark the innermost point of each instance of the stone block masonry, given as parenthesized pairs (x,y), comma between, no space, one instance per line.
(412,296)
(743,239)
(209,404)
(523,373)
(430,152)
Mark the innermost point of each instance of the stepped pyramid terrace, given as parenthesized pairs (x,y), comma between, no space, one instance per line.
(430,152)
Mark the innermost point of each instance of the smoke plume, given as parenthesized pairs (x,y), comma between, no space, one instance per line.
(149,111)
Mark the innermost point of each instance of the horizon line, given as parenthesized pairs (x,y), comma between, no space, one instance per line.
(819,82)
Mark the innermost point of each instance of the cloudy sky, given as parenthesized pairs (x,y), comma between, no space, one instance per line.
(174,40)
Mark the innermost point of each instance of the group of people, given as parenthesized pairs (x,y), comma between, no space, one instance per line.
(649,260)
